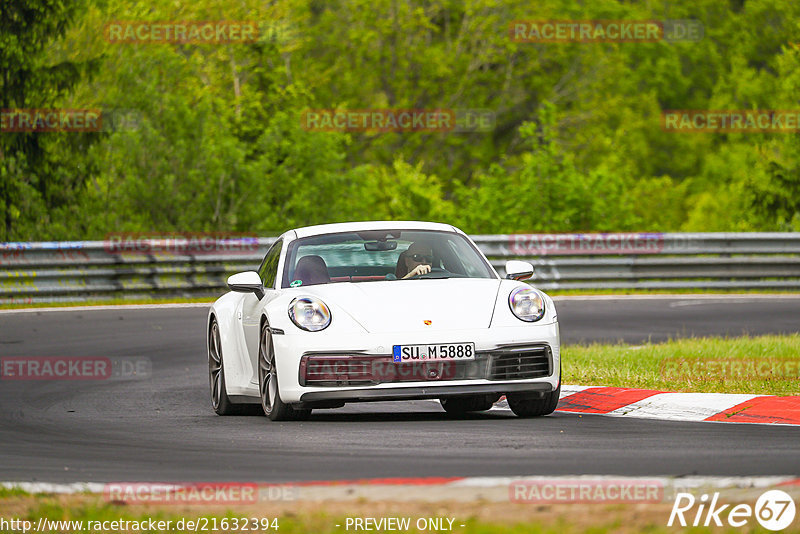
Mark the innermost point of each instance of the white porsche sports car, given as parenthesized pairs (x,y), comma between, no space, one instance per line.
(377,311)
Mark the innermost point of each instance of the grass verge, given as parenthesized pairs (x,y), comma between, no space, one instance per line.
(763,365)
(299,517)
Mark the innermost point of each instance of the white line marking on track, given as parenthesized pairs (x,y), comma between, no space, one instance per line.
(682,406)
(491,488)
(110,307)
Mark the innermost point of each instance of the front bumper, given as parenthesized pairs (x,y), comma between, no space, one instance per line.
(424,392)
(291,347)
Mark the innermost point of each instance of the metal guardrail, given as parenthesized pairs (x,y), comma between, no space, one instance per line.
(97,270)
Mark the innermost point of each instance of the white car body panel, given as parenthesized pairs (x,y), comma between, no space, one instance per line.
(370,317)
(400,305)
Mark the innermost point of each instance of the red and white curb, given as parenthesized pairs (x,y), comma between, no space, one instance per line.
(655,404)
(436,489)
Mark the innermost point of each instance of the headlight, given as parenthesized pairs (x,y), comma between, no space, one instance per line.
(309,313)
(527,304)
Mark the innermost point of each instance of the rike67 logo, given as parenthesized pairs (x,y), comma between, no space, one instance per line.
(774,510)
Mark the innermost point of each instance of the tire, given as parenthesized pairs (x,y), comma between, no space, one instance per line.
(220,402)
(526,406)
(466,404)
(271,402)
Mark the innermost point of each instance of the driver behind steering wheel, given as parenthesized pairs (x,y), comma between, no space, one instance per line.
(415,261)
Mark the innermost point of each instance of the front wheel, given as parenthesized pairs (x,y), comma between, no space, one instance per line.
(220,402)
(526,406)
(274,407)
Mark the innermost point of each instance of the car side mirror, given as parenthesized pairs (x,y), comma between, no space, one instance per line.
(246,282)
(518,270)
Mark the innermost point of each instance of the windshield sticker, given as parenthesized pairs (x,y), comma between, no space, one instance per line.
(296,283)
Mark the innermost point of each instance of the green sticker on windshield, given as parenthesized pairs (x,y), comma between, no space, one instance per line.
(296,283)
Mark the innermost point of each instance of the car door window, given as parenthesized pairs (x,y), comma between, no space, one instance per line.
(269,267)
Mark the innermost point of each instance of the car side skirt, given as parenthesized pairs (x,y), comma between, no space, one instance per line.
(244,399)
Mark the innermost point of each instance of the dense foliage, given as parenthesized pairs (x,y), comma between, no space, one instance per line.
(213,139)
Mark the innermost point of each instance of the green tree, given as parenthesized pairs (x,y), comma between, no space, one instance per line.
(544,190)
(577,144)
(40,180)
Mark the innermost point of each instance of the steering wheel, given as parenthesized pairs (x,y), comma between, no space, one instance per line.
(433,270)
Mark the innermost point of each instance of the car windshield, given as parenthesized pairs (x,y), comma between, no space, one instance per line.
(377,255)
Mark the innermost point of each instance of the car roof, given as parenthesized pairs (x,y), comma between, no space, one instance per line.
(372,225)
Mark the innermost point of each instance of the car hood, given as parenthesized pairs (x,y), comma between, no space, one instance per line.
(402,305)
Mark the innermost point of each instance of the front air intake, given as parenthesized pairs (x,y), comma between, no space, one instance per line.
(330,370)
(520,363)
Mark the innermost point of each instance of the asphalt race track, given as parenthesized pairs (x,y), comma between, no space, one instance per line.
(639,319)
(162,428)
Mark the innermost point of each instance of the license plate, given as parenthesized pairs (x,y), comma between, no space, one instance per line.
(427,353)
